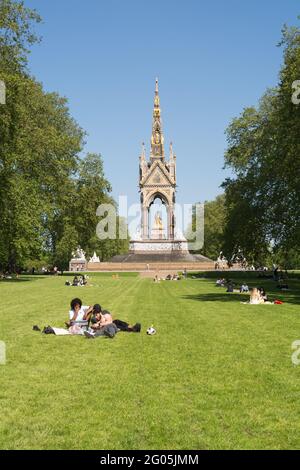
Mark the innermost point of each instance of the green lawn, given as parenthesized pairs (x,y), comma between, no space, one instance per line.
(218,374)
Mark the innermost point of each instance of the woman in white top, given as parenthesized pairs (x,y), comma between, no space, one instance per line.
(255,297)
(79,312)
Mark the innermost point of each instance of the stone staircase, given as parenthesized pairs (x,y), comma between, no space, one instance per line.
(152,267)
(154,262)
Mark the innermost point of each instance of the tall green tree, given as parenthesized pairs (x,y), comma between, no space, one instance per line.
(48,194)
(16,34)
(40,143)
(263,197)
(93,189)
(78,216)
(214,226)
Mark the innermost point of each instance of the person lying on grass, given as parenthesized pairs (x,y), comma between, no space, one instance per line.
(104,325)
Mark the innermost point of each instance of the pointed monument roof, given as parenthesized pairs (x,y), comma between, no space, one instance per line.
(157,138)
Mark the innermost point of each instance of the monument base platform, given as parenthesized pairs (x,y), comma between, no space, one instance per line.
(139,263)
(153,255)
(159,246)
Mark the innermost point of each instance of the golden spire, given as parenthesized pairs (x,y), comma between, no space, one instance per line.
(156,99)
(157,138)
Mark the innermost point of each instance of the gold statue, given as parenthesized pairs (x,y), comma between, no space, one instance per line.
(158,221)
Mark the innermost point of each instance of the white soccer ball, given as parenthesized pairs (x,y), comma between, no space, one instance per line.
(151,331)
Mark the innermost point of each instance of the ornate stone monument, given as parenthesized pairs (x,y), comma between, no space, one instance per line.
(157,180)
(78,261)
(94,258)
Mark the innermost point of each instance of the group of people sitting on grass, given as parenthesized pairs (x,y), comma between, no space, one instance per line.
(169,277)
(80,281)
(174,277)
(257,294)
(90,321)
(6,275)
(230,286)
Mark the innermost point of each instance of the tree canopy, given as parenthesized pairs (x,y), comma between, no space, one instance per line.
(49,192)
(17,34)
(263,196)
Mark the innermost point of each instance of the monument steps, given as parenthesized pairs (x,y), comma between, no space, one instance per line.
(152,267)
(160,257)
(155,261)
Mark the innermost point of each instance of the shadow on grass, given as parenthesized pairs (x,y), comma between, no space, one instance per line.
(287,297)
(22,279)
(290,296)
(241,275)
(217,297)
(71,274)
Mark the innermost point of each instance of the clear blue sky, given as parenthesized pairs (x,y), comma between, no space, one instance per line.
(212,59)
